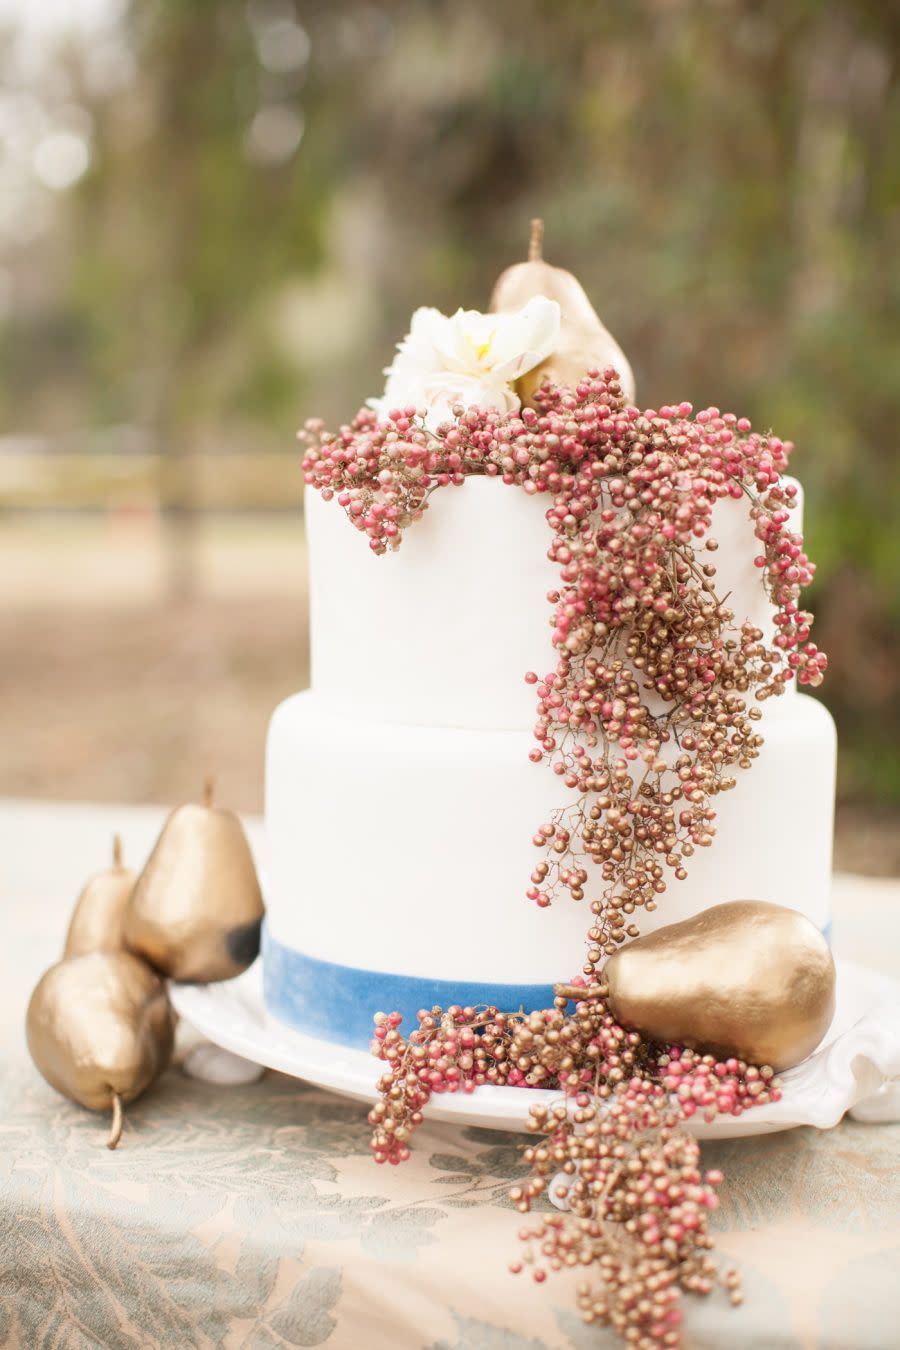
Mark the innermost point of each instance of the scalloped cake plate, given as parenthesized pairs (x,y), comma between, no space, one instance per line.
(856,1069)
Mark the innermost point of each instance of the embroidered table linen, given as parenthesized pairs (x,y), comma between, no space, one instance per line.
(252,1216)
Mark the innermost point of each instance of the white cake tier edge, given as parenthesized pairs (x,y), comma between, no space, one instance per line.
(408,849)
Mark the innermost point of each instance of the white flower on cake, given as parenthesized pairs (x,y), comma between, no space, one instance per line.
(468,358)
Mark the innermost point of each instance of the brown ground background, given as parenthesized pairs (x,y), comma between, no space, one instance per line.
(108,692)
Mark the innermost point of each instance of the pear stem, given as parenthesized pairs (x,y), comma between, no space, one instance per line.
(117,850)
(535,250)
(209,785)
(115,1133)
(578,992)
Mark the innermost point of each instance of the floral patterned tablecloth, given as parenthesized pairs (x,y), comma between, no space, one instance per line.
(253,1217)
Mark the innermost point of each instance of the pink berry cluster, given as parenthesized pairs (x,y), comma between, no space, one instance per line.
(460,1049)
(453,1051)
(635,1211)
(714,1087)
(653,701)
(636,1204)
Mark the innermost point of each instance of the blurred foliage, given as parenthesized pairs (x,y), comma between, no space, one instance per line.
(281,183)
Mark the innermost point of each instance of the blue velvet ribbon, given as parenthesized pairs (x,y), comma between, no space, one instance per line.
(337,1003)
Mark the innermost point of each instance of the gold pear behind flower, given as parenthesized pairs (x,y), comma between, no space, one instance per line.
(196,909)
(584,341)
(96,923)
(748,979)
(100,1029)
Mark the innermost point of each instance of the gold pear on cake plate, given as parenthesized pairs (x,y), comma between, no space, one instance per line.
(747,978)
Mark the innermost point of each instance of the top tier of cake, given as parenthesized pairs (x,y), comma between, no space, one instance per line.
(441,632)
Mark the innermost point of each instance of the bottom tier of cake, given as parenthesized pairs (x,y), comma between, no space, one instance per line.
(398,858)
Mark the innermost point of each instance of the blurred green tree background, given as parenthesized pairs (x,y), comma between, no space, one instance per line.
(274,185)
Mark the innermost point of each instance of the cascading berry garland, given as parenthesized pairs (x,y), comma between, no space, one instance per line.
(637,1204)
(652,705)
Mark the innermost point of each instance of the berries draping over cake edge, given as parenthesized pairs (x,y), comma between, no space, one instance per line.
(652,704)
(653,701)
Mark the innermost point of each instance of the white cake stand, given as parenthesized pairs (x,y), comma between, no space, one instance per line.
(856,1069)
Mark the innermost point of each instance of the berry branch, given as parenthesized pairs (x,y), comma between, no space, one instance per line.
(652,705)
(654,698)
(614,1152)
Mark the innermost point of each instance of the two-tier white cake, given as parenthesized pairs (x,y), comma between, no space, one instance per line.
(400,801)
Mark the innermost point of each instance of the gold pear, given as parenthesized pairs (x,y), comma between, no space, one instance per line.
(196,909)
(100,1029)
(96,923)
(747,979)
(584,342)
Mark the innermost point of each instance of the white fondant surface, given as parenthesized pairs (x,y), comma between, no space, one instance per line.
(441,632)
(408,849)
